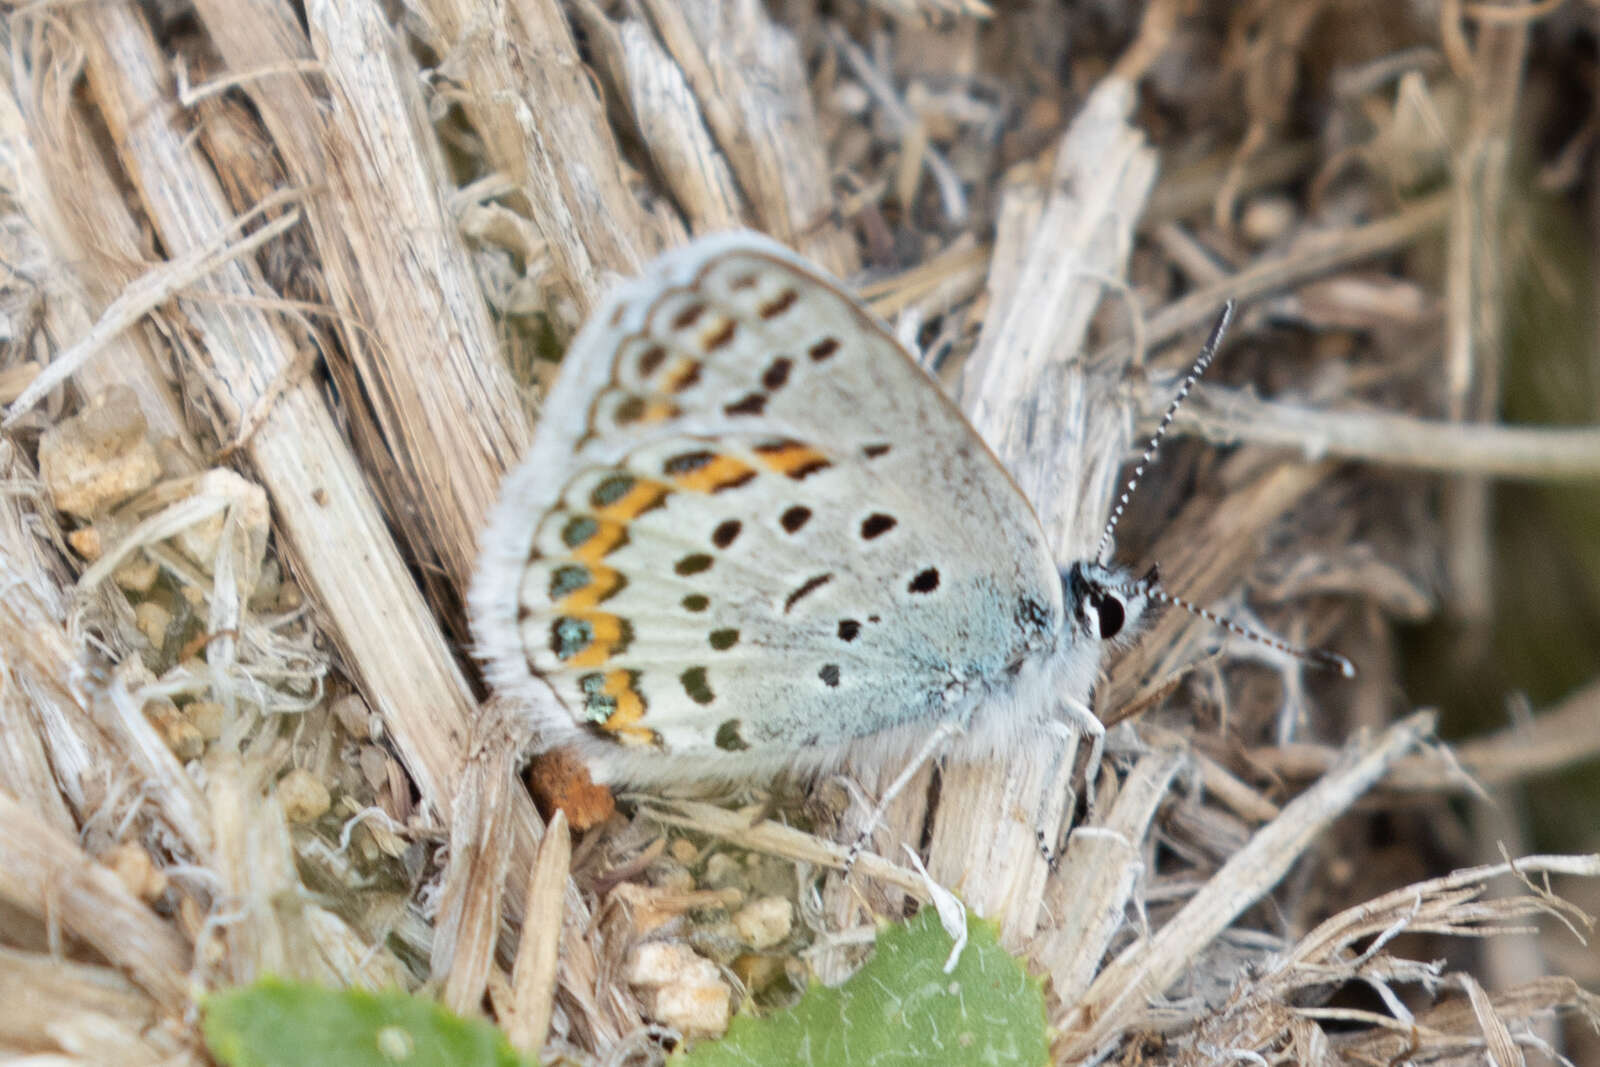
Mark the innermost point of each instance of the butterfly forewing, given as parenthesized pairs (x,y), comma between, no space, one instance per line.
(763,530)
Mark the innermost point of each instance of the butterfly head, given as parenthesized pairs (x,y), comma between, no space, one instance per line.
(1105,603)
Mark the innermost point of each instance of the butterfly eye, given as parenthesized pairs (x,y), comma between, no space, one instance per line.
(1112,615)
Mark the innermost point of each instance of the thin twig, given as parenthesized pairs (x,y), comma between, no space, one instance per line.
(1528,453)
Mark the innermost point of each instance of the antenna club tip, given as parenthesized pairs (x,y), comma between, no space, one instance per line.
(1336,662)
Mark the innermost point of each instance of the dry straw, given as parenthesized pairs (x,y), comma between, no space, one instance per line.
(263,266)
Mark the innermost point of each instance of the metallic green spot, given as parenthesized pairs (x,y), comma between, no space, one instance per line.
(598,705)
(578,530)
(567,579)
(722,640)
(612,488)
(569,636)
(695,602)
(687,462)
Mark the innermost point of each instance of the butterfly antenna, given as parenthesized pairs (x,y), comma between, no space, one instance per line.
(1319,656)
(1207,354)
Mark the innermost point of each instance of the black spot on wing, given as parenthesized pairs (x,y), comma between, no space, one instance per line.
(777,373)
(630,410)
(794,518)
(749,404)
(730,737)
(650,360)
(726,533)
(686,318)
(693,563)
(1031,614)
(720,336)
(805,589)
(695,685)
(688,378)
(779,304)
(876,525)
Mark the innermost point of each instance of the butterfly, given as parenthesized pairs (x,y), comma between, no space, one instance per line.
(752,535)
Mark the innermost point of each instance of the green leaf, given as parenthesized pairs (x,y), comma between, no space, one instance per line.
(902,1009)
(275,1023)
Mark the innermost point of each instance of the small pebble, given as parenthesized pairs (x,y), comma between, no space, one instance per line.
(153,621)
(683,990)
(683,850)
(177,733)
(765,922)
(722,870)
(137,574)
(354,715)
(99,457)
(1266,219)
(136,870)
(207,717)
(302,796)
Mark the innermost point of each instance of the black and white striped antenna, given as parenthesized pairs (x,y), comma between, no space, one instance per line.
(1321,657)
(1202,361)
(1149,586)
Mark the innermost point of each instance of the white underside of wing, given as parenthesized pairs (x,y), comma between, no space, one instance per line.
(729,346)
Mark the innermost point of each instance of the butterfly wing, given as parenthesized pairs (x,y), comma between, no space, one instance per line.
(752,531)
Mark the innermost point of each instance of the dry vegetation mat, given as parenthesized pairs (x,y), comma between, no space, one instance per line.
(285,286)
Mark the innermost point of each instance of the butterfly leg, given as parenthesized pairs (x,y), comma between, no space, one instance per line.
(1081,722)
(1089,724)
(943,733)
